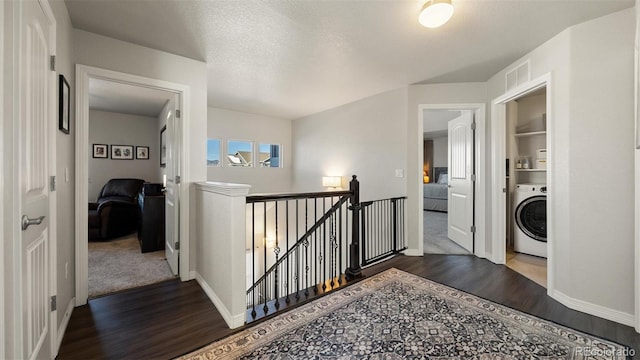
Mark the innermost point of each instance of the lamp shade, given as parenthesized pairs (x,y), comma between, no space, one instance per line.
(435,13)
(331,181)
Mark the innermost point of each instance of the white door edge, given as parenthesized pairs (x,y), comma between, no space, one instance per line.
(83,74)
(463,236)
(498,200)
(3,129)
(480,242)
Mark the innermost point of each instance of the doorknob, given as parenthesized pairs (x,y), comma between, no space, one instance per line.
(449,185)
(26,222)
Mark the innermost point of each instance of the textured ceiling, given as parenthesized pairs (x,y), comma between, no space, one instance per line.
(289,58)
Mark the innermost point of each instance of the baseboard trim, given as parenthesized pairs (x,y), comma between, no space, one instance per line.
(413,252)
(233,321)
(65,322)
(593,309)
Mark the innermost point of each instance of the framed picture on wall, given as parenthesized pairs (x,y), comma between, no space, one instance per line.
(64,105)
(163,146)
(100,151)
(121,152)
(142,152)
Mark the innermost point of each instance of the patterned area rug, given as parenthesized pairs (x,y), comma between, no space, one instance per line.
(396,315)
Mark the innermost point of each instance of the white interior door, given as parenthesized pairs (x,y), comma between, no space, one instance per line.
(36,118)
(460,194)
(172,240)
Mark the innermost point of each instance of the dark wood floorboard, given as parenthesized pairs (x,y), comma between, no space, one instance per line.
(159,321)
(169,319)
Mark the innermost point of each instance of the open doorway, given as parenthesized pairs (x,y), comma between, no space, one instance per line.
(463,127)
(168,152)
(126,221)
(523,193)
(526,154)
(447,229)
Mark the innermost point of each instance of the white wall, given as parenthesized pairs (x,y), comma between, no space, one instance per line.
(65,171)
(107,53)
(440,152)
(365,138)
(122,129)
(602,136)
(227,125)
(592,135)
(221,210)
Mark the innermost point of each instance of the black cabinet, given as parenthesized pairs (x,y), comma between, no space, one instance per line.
(151,229)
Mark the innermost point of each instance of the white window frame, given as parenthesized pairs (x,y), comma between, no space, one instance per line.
(280,157)
(220,147)
(226,153)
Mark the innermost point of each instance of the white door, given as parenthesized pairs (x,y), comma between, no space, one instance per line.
(36,117)
(460,194)
(172,244)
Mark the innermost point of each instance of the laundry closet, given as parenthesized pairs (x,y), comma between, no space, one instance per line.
(526,150)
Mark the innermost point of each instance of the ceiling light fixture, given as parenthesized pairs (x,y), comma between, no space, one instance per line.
(435,13)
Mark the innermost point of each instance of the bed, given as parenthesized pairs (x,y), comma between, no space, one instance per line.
(435,193)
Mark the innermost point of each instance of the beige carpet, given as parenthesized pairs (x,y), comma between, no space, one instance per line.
(118,264)
(436,240)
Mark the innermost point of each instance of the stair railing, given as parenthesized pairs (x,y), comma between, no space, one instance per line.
(298,243)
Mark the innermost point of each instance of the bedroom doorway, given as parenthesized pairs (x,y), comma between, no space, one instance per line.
(436,211)
(126,193)
(179,97)
(448,181)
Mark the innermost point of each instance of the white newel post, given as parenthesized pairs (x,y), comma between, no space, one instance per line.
(220,249)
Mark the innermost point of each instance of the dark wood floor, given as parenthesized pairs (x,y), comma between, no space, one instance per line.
(169,319)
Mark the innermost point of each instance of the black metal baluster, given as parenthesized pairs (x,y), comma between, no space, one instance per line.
(334,248)
(382,224)
(253,259)
(395,225)
(378,231)
(276,251)
(323,247)
(287,252)
(404,244)
(298,262)
(264,265)
(315,247)
(365,235)
(340,245)
(306,246)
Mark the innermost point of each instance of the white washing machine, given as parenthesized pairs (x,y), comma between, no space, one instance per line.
(530,232)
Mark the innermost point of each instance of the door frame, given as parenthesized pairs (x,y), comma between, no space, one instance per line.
(11,328)
(498,173)
(83,74)
(3,187)
(479,219)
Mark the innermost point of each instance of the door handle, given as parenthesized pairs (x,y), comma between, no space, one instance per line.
(449,186)
(26,222)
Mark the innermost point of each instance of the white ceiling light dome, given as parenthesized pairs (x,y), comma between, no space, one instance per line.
(435,13)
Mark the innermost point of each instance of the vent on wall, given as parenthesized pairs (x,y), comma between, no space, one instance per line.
(517,76)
